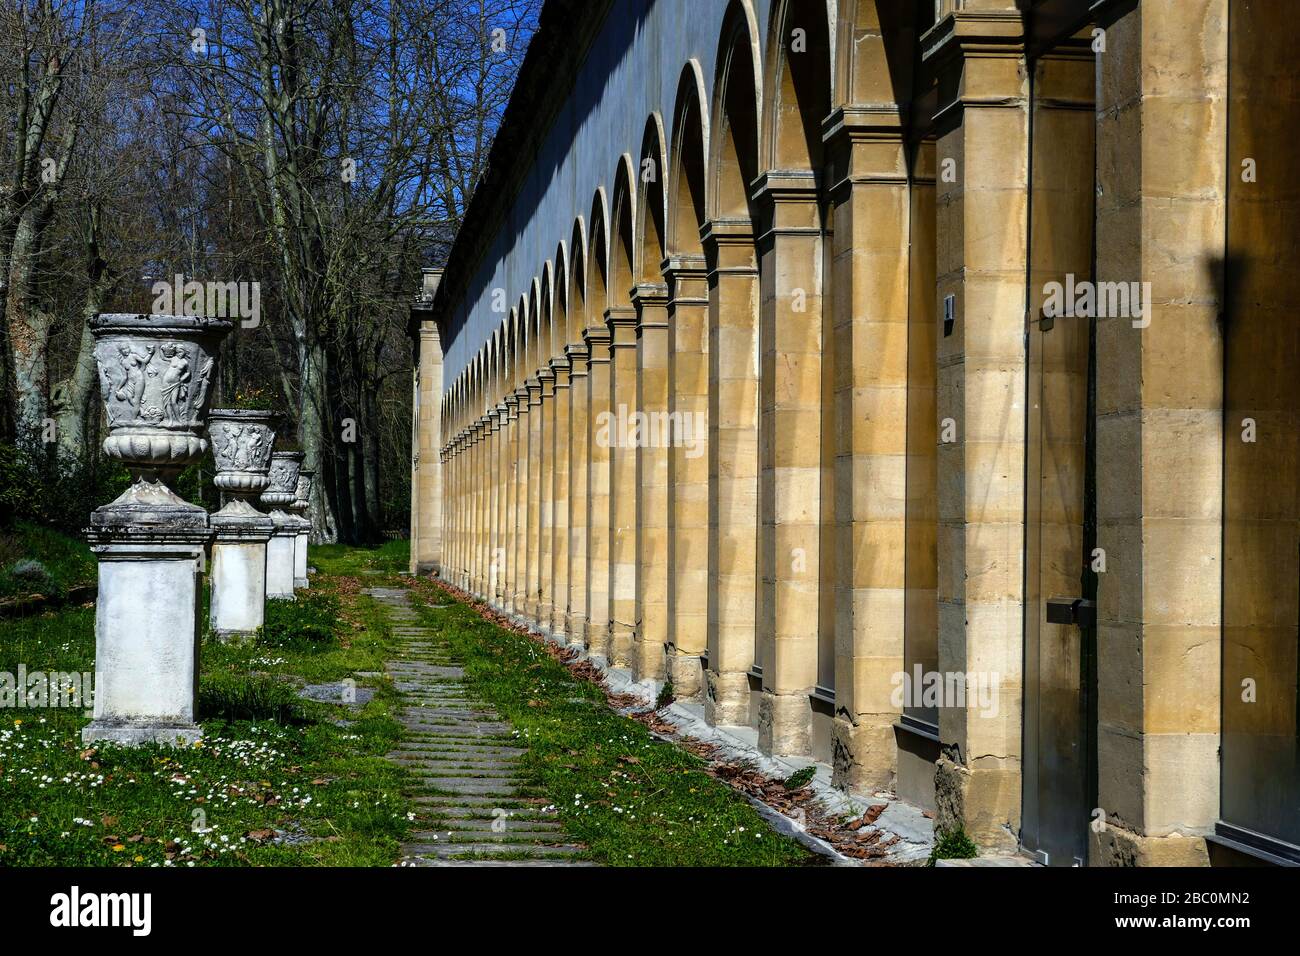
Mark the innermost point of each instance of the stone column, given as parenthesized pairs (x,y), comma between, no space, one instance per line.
(281,494)
(426,442)
(791,458)
(533,490)
(651,451)
(575,624)
(560,495)
(523,452)
(496,584)
(733,467)
(241,449)
(622,484)
(983,127)
(870,302)
(1161,148)
(688,473)
(155,372)
(301,507)
(546,502)
(598,486)
(478,487)
(510,510)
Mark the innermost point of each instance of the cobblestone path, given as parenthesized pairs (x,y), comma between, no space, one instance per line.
(464,760)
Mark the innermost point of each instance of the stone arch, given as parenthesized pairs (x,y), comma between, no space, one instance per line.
(875,59)
(525,338)
(597,295)
(798,84)
(687,201)
(622,235)
(577,284)
(651,210)
(737,105)
(546,316)
(534,326)
(513,347)
(560,306)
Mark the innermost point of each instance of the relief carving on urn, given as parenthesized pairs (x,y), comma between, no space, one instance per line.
(155,373)
(241,449)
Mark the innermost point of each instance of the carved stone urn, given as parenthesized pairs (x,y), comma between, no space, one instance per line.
(155,375)
(241,449)
(280,494)
(301,505)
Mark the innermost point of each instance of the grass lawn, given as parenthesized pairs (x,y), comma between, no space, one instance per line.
(279,780)
(633,799)
(37,560)
(276,780)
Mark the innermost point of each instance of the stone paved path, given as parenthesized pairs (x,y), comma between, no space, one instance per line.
(464,758)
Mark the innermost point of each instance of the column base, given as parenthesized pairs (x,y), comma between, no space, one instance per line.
(864,754)
(785,724)
(575,629)
(598,640)
(984,801)
(1117,846)
(133,734)
(726,702)
(545,615)
(621,645)
(686,674)
(648,662)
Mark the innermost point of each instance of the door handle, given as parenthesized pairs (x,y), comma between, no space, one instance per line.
(1078,611)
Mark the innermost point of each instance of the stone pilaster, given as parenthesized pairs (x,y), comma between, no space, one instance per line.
(598,488)
(733,467)
(426,477)
(575,625)
(790,455)
(870,301)
(982,122)
(510,511)
(522,510)
(546,502)
(651,451)
(687,603)
(1161,135)
(622,484)
(558,623)
(533,489)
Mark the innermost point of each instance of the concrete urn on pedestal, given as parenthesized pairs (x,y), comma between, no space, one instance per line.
(155,372)
(301,506)
(281,493)
(241,448)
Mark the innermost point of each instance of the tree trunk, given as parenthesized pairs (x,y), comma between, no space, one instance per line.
(370,461)
(317,442)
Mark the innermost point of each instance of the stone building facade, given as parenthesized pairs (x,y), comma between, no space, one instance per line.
(910,382)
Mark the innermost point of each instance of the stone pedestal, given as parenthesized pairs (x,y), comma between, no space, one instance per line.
(154,375)
(300,508)
(241,448)
(149,544)
(238,576)
(281,551)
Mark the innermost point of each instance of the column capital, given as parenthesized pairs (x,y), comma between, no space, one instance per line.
(597,339)
(978,58)
(651,302)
